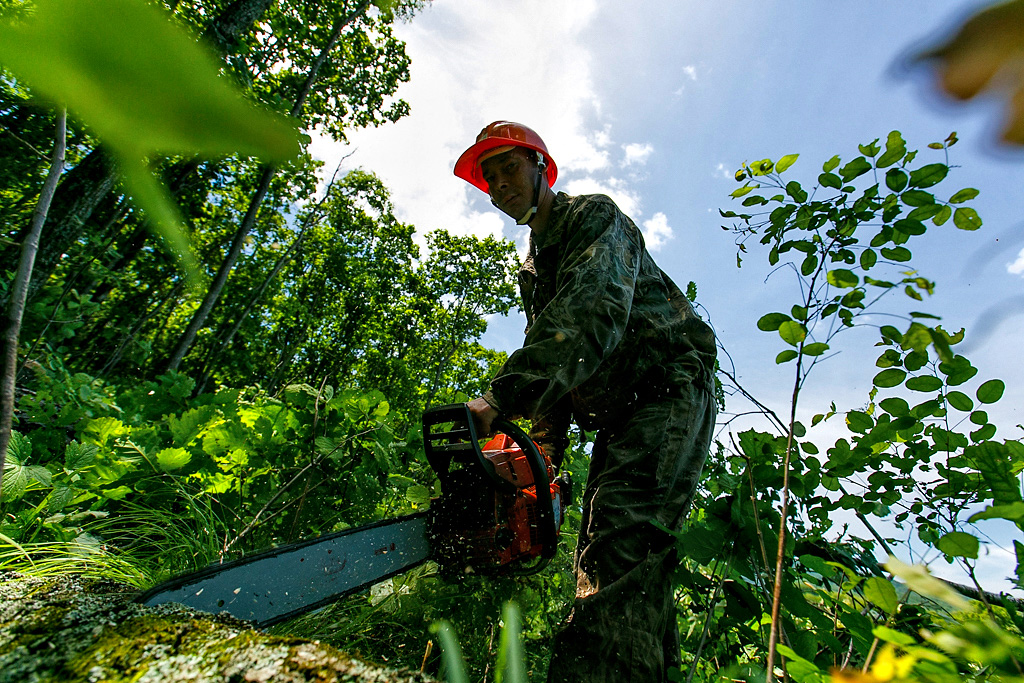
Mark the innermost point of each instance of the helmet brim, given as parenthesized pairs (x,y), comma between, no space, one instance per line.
(468,165)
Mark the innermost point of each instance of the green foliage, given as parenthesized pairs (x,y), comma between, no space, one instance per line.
(920,452)
(120,66)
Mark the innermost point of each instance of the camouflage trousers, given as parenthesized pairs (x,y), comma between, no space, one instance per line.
(645,468)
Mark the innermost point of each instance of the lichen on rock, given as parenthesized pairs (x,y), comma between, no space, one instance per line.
(72,629)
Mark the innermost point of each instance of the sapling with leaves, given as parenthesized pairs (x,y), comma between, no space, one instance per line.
(846,240)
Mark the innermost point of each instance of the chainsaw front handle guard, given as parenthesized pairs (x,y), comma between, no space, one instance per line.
(462,442)
(458,443)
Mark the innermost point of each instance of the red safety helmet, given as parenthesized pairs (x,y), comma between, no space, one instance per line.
(501,134)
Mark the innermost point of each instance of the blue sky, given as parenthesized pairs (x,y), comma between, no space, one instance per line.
(657,104)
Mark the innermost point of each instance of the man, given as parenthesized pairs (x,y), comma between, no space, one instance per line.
(612,343)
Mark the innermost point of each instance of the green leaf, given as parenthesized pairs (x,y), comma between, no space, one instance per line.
(19,449)
(924,383)
(917,198)
(966,218)
(187,427)
(1011,511)
(79,456)
(122,68)
(794,190)
(895,149)
(882,594)
(809,265)
(984,433)
(960,401)
(785,162)
(992,460)
(868,258)
(792,332)
(116,493)
(170,459)
(898,254)
(959,544)
(991,391)
(896,179)
(870,150)
(909,226)
(830,164)
(842,278)
(923,213)
(889,378)
(895,406)
(957,371)
(123,65)
(815,349)
(418,494)
(855,168)
(964,195)
(942,216)
(893,636)
(102,429)
(785,356)
(771,321)
(324,445)
(740,191)
(59,498)
(929,175)
(921,582)
(830,180)
(18,474)
(859,422)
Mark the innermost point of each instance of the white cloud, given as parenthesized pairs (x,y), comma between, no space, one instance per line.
(689,71)
(1017,267)
(657,231)
(624,197)
(463,76)
(722,171)
(636,153)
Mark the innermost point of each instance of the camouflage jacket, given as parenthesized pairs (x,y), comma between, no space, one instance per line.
(606,328)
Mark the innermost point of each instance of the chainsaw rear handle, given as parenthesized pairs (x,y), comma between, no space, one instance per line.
(462,442)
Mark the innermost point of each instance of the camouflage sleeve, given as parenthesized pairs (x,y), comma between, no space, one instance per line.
(583,322)
(551,431)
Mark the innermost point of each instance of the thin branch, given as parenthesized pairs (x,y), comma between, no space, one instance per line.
(19,293)
(280,492)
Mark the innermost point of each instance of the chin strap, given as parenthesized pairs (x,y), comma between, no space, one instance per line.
(532,211)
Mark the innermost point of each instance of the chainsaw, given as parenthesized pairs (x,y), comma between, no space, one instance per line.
(499,512)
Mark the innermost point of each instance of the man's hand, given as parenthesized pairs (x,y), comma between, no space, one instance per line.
(483,416)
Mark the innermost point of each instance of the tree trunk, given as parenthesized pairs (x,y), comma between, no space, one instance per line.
(220,279)
(76,630)
(257,296)
(19,292)
(217,286)
(80,192)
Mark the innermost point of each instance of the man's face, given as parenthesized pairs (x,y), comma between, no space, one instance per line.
(511,178)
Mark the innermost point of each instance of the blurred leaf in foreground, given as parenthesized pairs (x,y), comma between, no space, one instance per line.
(988,50)
(145,87)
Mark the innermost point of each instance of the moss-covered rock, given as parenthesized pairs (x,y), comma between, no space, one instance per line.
(73,629)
